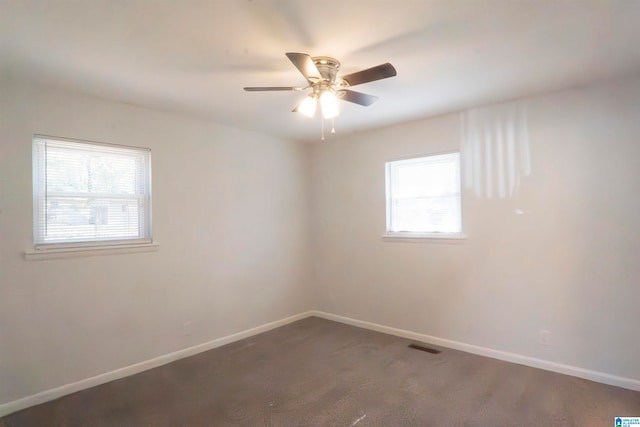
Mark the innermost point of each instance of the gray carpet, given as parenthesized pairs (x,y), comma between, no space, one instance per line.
(320,373)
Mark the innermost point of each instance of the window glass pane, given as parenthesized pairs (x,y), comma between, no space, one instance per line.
(81,171)
(429,180)
(80,218)
(436,214)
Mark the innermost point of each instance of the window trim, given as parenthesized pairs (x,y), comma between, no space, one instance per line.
(408,236)
(86,251)
(416,236)
(86,247)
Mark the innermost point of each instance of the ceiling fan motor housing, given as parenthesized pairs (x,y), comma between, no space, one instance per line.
(327,67)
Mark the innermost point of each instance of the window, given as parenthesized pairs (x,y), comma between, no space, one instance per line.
(90,194)
(423,197)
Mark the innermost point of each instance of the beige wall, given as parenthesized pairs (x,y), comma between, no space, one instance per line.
(230,212)
(253,229)
(553,231)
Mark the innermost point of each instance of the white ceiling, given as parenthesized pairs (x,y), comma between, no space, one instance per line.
(194,56)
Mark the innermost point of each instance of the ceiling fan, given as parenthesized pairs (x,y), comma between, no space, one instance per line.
(327,87)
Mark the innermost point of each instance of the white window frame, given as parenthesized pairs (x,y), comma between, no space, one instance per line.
(392,234)
(87,246)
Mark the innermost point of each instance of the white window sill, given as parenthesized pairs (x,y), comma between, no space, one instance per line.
(450,238)
(58,253)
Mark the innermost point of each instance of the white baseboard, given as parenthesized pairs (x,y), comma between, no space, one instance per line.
(601,377)
(54,393)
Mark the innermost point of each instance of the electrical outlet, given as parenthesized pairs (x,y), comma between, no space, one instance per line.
(545,337)
(187,328)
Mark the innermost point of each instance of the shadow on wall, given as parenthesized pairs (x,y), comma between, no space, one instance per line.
(495,150)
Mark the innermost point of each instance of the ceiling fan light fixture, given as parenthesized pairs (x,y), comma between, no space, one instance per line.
(308,106)
(321,73)
(329,104)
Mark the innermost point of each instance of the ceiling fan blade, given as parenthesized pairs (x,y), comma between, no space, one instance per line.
(370,74)
(270,88)
(305,65)
(357,97)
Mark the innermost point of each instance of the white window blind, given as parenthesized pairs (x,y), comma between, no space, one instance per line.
(423,195)
(90,194)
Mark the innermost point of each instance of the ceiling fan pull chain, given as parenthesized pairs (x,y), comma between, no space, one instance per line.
(333,125)
(322,121)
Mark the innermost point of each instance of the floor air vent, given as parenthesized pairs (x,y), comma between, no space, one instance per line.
(424,348)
